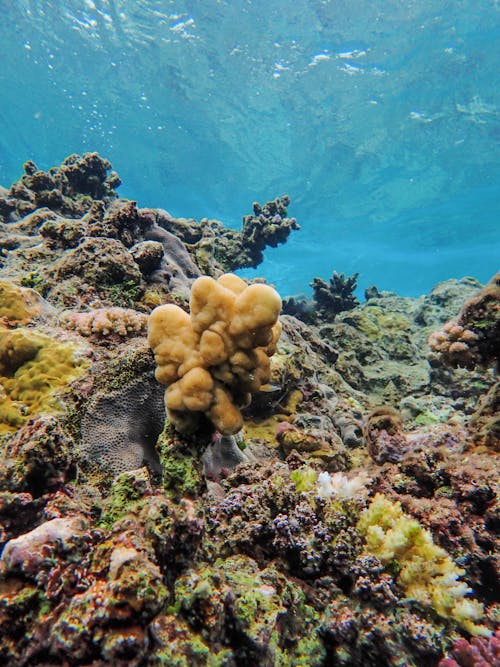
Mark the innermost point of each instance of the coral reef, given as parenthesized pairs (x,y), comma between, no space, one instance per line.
(480,652)
(329,299)
(69,189)
(106,323)
(119,428)
(353,521)
(385,438)
(19,305)
(33,368)
(424,570)
(217,249)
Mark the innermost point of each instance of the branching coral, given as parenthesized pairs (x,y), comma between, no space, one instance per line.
(268,226)
(480,652)
(425,571)
(217,248)
(329,299)
(335,297)
(340,486)
(213,359)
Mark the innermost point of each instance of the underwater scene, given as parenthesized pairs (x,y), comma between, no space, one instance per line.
(249,333)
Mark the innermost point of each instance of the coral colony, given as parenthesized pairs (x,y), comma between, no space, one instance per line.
(193,475)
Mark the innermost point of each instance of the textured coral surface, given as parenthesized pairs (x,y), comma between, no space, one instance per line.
(352,522)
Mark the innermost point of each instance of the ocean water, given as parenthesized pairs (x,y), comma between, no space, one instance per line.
(380,119)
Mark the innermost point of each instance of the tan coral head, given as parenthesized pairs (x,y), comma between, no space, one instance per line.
(215,357)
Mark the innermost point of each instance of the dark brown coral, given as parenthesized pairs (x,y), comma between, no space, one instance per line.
(68,189)
(385,437)
(334,297)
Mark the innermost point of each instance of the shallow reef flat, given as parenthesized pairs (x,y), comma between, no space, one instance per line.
(352,522)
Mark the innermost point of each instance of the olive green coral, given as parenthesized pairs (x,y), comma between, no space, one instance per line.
(424,570)
(33,368)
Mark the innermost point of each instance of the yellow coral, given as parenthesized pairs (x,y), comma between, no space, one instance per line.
(33,368)
(426,571)
(213,359)
(19,305)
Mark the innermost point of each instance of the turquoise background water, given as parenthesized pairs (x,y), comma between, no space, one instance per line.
(380,119)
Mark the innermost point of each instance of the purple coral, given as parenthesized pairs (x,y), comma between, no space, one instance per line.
(479,652)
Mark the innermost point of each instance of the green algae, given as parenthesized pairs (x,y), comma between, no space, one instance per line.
(426,418)
(192,652)
(182,474)
(125,293)
(126,496)
(269,618)
(304,478)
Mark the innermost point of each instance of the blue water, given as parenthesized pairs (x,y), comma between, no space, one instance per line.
(380,119)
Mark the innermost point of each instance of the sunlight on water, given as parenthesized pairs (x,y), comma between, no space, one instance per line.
(380,120)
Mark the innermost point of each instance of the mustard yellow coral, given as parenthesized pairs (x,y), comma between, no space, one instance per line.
(426,572)
(214,358)
(19,305)
(33,367)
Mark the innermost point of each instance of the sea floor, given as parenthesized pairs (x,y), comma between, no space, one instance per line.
(354,521)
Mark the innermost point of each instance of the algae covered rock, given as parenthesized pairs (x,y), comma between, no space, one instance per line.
(38,458)
(258,613)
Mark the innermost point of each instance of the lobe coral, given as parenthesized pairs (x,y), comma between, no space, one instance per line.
(213,359)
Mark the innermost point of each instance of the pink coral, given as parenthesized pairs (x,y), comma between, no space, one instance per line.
(473,338)
(105,322)
(480,652)
(456,345)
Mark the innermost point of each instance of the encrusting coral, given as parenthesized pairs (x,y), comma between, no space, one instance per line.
(214,358)
(106,322)
(19,305)
(33,368)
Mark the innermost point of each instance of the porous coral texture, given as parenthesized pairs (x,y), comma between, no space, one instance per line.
(214,358)
(106,322)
